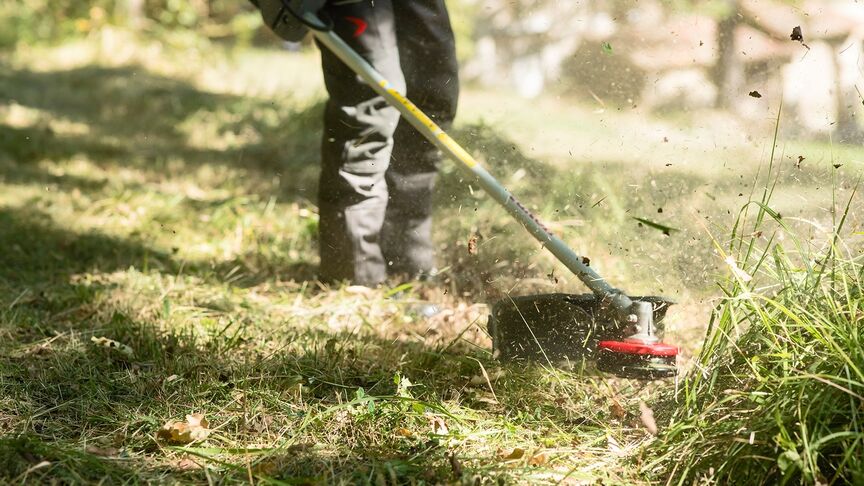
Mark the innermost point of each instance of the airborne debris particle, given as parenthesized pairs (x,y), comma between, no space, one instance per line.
(607,48)
(472,245)
(755,94)
(837,166)
(800,159)
(798,36)
(586,261)
(660,210)
(552,276)
(667,230)
(647,417)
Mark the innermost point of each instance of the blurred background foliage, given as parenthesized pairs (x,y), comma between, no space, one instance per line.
(664,56)
(52,21)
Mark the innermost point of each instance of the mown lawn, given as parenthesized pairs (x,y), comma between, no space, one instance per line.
(161,195)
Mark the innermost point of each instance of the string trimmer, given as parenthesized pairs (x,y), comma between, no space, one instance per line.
(550,327)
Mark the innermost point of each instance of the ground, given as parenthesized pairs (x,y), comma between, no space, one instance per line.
(161,195)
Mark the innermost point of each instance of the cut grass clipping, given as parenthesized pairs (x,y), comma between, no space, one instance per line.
(777,395)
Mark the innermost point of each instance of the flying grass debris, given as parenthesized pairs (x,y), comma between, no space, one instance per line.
(667,230)
(647,417)
(607,48)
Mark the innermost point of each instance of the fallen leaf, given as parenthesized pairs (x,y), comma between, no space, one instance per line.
(755,94)
(193,429)
(647,417)
(472,245)
(617,410)
(438,425)
(516,454)
(403,432)
(538,459)
(112,344)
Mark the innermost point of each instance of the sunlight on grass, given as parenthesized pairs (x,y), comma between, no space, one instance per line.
(161,195)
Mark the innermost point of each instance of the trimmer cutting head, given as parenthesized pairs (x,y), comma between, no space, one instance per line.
(571,328)
(632,358)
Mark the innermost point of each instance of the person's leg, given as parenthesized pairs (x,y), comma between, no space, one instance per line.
(356,145)
(427,54)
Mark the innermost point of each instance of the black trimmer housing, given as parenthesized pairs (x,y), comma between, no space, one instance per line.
(573,328)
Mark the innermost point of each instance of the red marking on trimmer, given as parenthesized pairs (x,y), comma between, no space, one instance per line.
(360,23)
(635,347)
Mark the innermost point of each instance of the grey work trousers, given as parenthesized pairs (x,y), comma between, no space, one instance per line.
(378,173)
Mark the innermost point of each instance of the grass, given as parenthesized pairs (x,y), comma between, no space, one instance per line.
(776,393)
(160,194)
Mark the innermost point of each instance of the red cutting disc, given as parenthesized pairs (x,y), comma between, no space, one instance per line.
(636,347)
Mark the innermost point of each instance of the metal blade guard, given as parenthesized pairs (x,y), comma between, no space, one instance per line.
(567,327)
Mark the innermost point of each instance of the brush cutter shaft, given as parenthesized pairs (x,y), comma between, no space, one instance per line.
(468,164)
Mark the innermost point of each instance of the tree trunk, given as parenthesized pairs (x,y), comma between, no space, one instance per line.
(847,129)
(135,13)
(729,71)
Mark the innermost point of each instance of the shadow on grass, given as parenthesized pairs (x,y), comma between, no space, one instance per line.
(135,118)
(63,394)
(38,253)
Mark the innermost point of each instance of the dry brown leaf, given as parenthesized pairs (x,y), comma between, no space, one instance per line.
(515,455)
(647,416)
(538,459)
(193,429)
(617,410)
(472,245)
